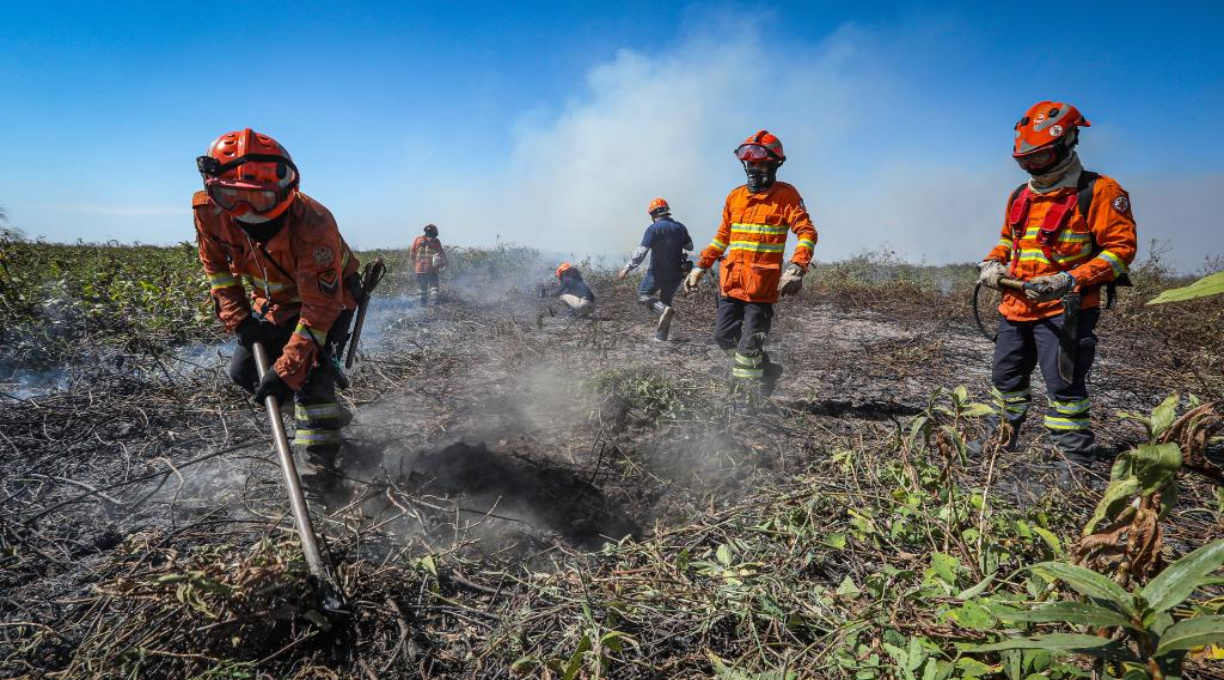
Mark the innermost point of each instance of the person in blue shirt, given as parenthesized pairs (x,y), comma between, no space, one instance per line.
(666,240)
(573,291)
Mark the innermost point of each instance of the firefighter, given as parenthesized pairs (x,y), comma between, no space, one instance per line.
(667,242)
(751,243)
(572,290)
(1066,232)
(429,259)
(256,230)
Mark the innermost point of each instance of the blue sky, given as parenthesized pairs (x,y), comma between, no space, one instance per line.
(553,124)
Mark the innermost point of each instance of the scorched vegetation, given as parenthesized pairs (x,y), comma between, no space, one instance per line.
(535,497)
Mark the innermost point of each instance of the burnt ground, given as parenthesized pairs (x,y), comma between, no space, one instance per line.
(500,430)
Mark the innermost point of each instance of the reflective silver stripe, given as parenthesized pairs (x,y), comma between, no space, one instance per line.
(317,437)
(1057,423)
(316,411)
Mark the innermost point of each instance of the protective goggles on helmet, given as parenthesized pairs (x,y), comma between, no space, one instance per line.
(230,194)
(755,153)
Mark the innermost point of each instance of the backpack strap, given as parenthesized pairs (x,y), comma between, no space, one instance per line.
(1083,194)
(1017,214)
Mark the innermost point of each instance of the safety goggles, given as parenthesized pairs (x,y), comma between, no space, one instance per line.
(755,153)
(1040,159)
(230,198)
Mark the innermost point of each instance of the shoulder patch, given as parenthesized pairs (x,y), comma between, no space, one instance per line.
(324,256)
(329,282)
(1122,205)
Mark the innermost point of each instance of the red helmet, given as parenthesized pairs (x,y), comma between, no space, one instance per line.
(763,146)
(565,267)
(246,172)
(1046,134)
(658,207)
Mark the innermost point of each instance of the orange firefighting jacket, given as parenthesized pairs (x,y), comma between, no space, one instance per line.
(298,275)
(751,241)
(1095,248)
(423,250)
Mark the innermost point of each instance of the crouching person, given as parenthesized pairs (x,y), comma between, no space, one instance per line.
(573,291)
(255,228)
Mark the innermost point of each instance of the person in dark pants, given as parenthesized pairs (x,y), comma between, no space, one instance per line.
(429,259)
(255,228)
(1020,348)
(666,240)
(751,243)
(1067,233)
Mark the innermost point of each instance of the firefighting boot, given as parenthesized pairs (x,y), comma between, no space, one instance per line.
(664,327)
(769,381)
(434,296)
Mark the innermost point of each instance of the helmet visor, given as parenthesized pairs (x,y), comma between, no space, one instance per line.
(229,198)
(755,153)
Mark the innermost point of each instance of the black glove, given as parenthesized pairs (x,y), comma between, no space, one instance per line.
(272,386)
(251,330)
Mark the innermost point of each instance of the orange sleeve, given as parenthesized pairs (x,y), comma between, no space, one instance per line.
(719,245)
(318,255)
(416,245)
(801,224)
(229,297)
(1113,232)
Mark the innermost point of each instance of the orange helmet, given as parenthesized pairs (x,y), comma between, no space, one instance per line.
(246,172)
(658,207)
(763,146)
(1046,135)
(565,267)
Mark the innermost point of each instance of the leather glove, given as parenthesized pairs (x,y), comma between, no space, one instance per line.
(792,279)
(252,330)
(1046,288)
(989,273)
(694,278)
(271,385)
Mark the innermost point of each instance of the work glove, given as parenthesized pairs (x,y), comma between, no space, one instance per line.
(252,330)
(271,385)
(1046,288)
(792,279)
(989,273)
(694,278)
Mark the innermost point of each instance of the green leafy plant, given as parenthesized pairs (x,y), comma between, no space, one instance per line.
(1136,634)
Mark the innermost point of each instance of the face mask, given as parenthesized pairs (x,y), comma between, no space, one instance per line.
(760,179)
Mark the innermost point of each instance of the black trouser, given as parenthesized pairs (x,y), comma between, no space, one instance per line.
(427,283)
(658,292)
(318,416)
(743,327)
(1024,345)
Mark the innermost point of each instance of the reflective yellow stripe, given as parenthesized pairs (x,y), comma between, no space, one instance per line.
(1005,243)
(748,373)
(718,245)
(760,228)
(221,280)
(1116,263)
(1056,423)
(1070,408)
(806,243)
(317,437)
(755,247)
(310,333)
(1035,255)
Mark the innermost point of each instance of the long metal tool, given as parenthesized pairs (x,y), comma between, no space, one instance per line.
(370,277)
(297,502)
